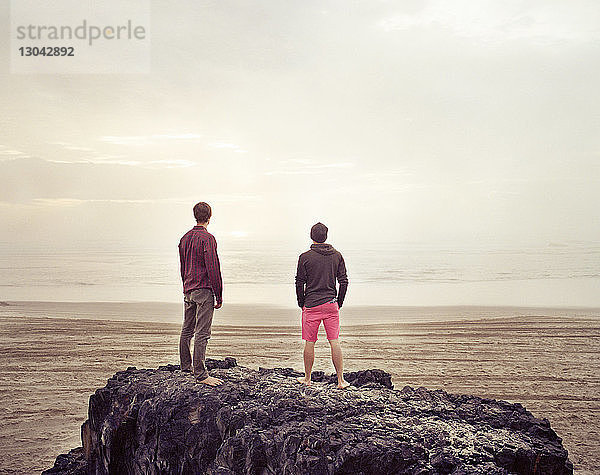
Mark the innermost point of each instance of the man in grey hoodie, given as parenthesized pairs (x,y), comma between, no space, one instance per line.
(318,270)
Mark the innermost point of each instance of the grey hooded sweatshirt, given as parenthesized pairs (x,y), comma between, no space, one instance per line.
(317,272)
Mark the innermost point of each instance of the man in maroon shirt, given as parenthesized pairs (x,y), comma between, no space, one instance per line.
(202,290)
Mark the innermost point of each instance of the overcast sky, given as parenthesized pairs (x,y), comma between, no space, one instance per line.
(460,121)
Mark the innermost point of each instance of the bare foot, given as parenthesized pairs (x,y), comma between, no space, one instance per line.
(210,381)
(303,380)
(343,384)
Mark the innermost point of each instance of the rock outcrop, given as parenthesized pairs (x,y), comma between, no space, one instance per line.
(265,422)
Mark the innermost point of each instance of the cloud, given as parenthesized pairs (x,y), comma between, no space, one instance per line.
(229,146)
(116,160)
(178,136)
(79,149)
(143,140)
(74,148)
(297,166)
(179,200)
(7,154)
(76,201)
(158,139)
(71,202)
(110,159)
(493,22)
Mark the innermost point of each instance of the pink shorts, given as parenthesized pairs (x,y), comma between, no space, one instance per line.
(328,313)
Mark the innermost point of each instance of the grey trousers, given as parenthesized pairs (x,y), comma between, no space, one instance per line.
(197,322)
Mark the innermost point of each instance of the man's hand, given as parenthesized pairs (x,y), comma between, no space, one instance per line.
(218,305)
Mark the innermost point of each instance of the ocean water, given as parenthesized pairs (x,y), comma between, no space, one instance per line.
(552,275)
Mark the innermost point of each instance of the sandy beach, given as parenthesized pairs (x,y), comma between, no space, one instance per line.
(546,359)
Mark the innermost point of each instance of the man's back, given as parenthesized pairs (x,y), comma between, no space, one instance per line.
(202,285)
(199,262)
(318,269)
(316,276)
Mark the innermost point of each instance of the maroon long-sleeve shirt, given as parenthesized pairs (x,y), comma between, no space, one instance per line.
(200,267)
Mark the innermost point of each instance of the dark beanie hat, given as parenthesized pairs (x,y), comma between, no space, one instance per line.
(318,232)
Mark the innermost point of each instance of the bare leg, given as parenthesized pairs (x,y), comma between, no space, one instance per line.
(309,359)
(338,362)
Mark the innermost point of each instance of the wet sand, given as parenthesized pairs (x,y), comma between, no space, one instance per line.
(549,363)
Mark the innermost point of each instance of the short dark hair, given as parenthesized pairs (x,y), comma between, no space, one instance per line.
(202,212)
(318,232)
